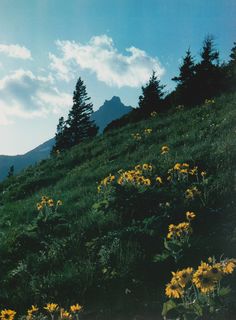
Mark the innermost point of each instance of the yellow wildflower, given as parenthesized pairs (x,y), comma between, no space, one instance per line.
(75,308)
(229,266)
(51,307)
(59,203)
(153,114)
(165,149)
(7,314)
(204,281)
(50,203)
(183,277)
(173,290)
(31,312)
(203,174)
(159,179)
(64,315)
(190,215)
(39,206)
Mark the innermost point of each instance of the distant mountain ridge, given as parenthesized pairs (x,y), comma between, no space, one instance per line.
(22,161)
(111,110)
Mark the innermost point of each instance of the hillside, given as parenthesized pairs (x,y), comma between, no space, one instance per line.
(109,111)
(101,248)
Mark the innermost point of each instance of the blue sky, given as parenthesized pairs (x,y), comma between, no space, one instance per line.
(45,45)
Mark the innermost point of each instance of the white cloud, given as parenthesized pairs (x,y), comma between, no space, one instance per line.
(24,95)
(15,51)
(101,57)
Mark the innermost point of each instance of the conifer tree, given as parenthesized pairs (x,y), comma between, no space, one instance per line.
(231,70)
(208,72)
(79,125)
(61,137)
(11,171)
(185,89)
(152,96)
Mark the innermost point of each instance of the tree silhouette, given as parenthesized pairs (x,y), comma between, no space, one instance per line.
(208,72)
(11,171)
(79,125)
(152,94)
(185,88)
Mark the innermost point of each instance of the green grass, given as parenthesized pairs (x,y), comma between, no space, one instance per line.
(203,136)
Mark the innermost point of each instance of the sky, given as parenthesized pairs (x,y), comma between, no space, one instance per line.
(113,45)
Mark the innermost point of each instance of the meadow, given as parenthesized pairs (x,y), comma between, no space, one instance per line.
(105,223)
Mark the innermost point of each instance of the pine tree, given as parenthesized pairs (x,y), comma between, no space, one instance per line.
(61,137)
(208,72)
(231,70)
(11,171)
(152,96)
(185,90)
(79,123)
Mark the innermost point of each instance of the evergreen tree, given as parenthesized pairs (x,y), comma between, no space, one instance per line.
(61,137)
(79,124)
(11,171)
(231,70)
(152,96)
(208,72)
(185,89)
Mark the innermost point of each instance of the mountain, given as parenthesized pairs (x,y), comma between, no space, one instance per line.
(111,110)
(22,161)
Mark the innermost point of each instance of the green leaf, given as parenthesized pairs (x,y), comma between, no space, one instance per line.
(167,306)
(224,291)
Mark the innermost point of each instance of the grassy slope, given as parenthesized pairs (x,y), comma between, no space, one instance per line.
(204,136)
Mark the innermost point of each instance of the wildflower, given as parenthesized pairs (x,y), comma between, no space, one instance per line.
(7,314)
(229,266)
(145,166)
(51,307)
(203,281)
(193,171)
(39,206)
(173,290)
(216,271)
(183,276)
(50,203)
(203,174)
(153,114)
(177,166)
(191,192)
(159,180)
(165,149)
(59,203)
(179,230)
(190,215)
(31,312)
(75,308)
(138,167)
(147,182)
(65,314)
(147,131)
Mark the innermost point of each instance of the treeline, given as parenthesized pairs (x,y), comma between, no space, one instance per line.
(196,82)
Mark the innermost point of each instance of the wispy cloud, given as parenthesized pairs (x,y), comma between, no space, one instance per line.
(101,57)
(15,51)
(25,95)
